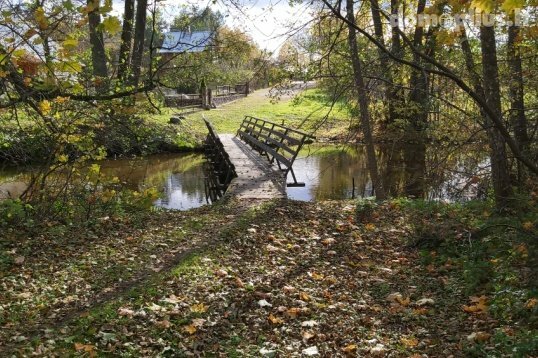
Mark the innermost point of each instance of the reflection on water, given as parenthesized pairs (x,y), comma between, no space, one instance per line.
(328,173)
(178,177)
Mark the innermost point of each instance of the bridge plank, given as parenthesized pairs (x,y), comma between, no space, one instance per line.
(256,177)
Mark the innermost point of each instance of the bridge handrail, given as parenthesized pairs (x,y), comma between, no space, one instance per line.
(282,126)
(268,138)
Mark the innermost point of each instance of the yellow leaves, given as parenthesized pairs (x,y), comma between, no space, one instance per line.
(19,53)
(478,305)
(275,320)
(350,348)
(3,74)
(112,25)
(509,6)
(61,100)
(69,66)
(528,226)
(106,7)
(304,296)
(409,342)
(199,308)
(293,312)
(446,37)
(404,301)
(420,311)
(63,158)
(316,276)
(94,169)
(370,227)
(396,298)
(41,18)
(88,348)
(45,107)
(486,6)
(531,303)
(70,43)
(91,6)
(190,329)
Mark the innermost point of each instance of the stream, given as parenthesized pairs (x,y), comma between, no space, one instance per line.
(327,172)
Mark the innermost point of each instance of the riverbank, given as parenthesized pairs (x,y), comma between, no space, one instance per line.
(281,277)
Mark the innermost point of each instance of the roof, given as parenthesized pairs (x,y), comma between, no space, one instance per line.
(183,41)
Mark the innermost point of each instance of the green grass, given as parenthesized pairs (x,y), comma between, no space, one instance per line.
(310,111)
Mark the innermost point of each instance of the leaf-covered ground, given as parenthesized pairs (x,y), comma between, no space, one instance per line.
(257,279)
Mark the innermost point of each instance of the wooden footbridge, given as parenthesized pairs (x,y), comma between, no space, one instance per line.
(254,163)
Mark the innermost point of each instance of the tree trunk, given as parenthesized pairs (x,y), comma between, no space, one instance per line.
(126,39)
(363,104)
(97,43)
(392,153)
(499,161)
(516,94)
(417,120)
(138,49)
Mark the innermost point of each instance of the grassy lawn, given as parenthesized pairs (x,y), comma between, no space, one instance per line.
(310,111)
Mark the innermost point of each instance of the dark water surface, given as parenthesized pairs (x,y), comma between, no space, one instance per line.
(327,172)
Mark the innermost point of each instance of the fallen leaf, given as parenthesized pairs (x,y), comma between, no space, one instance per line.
(264,303)
(304,296)
(528,225)
(425,302)
(198,322)
(369,227)
(409,342)
(479,337)
(267,352)
(163,324)
(531,303)
(350,348)
(420,311)
(293,312)
(122,311)
(239,283)
(316,276)
(309,324)
(307,335)
(88,348)
(198,308)
(311,351)
(190,329)
(378,351)
(275,320)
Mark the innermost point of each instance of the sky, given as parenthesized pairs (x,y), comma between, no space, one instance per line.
(268,22)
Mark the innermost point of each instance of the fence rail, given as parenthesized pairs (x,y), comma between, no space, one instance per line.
(210,97)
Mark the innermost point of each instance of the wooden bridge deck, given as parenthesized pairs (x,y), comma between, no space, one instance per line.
(256,177)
